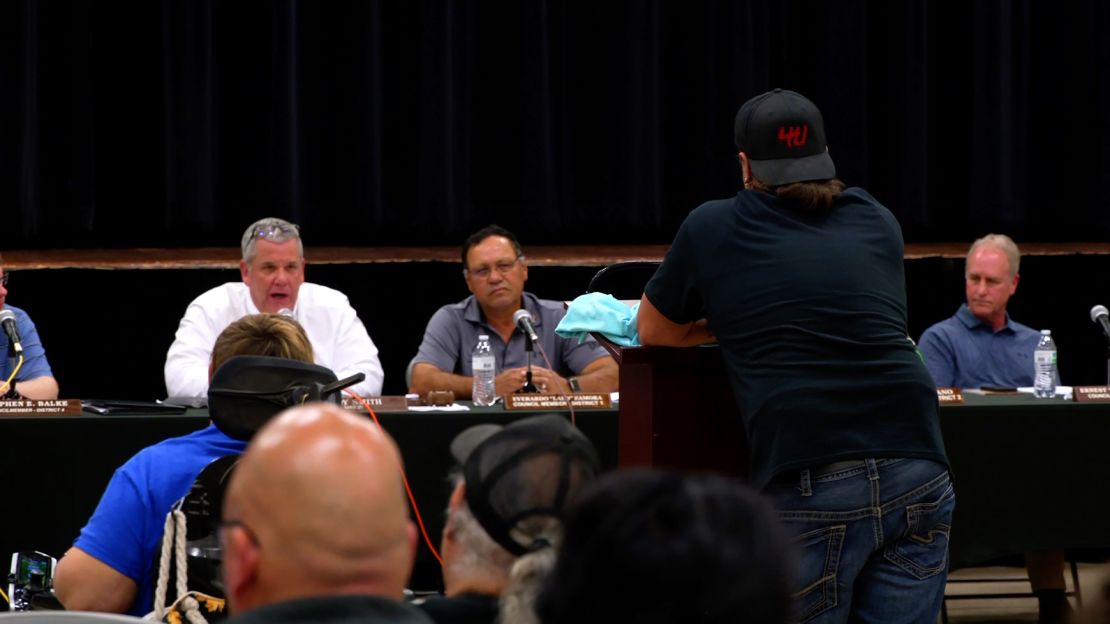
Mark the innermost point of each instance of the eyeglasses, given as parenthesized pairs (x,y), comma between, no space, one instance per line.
(274,231)
(501,267)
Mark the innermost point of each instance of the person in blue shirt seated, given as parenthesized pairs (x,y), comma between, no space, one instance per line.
(33,380)
(111,564)
(981,346)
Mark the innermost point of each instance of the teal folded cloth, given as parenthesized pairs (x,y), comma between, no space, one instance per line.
(601,313)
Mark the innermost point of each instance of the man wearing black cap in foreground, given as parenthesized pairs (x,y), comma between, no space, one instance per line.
(801,282)
(504,517)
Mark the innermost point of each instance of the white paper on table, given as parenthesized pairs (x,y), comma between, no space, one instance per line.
(454,407)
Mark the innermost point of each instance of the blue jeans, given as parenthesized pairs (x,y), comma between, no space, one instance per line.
(871,537)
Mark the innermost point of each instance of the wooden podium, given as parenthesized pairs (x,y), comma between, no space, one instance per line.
(677,410)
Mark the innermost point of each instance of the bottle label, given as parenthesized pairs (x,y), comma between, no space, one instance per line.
(483,364)
(1044,357)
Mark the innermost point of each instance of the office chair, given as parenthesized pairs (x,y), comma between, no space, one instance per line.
(623,280)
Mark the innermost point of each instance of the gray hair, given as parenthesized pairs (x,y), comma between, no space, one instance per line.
(526,579)
(1003,243)
(272,229)
(479,553)
(524,575)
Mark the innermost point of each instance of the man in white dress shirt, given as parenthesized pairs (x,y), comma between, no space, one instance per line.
(273,280)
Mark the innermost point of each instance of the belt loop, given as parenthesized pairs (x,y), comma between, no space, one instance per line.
(872,469)
(804,482)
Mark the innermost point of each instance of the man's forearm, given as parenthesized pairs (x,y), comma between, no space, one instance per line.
(656,329)
(603,378)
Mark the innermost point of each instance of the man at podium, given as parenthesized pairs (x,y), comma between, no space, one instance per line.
(34,379)
(801,282)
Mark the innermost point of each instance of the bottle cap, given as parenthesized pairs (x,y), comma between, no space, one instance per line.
(486,337)
(1044,332)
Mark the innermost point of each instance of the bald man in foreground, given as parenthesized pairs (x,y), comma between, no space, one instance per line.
(316,525)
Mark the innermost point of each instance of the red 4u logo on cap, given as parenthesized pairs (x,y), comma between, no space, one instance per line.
(794,136)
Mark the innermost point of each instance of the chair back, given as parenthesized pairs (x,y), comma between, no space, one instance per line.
(623,280)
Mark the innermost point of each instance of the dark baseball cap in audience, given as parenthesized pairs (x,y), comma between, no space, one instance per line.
(528,468)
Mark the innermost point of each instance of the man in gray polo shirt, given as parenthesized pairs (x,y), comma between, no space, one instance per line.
(495,271)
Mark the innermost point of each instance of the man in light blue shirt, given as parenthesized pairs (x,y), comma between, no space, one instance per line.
(981,347)
(34,379)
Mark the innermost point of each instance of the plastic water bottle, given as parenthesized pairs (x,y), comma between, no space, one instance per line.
(485,369)
(1044,366)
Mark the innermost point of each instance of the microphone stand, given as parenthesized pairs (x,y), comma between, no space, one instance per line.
(528,386)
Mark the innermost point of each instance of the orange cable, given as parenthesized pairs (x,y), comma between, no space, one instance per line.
(405,479)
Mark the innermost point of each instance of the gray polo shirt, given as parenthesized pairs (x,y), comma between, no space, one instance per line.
(453,331)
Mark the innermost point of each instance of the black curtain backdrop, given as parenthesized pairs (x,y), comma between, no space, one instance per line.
(177,123)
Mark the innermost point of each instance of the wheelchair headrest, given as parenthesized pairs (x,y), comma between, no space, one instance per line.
(248,390)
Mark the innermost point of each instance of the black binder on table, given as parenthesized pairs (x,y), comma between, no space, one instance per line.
(106,407)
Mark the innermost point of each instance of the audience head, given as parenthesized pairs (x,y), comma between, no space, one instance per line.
(991,276)
(505,514)
(781,138)
(650,546)
(494,268)
(259,363)
(524,471)
(273,335)
(316,507)
(272,266)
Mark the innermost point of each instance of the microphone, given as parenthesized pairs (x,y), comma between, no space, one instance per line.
(1100,315)
(523,321)
(7,319)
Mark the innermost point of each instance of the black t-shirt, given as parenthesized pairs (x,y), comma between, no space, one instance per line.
(810,313)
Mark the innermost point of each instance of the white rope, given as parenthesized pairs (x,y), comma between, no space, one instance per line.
(181,561)
(163,570)
(191,609)
(188,605)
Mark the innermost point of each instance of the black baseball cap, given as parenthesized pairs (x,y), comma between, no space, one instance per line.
(248,390)
(783,134)
(529,468)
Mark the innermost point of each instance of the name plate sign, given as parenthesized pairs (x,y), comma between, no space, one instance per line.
(27,407)
(1091,394)
(950,396)
(378,404)
(536,402)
